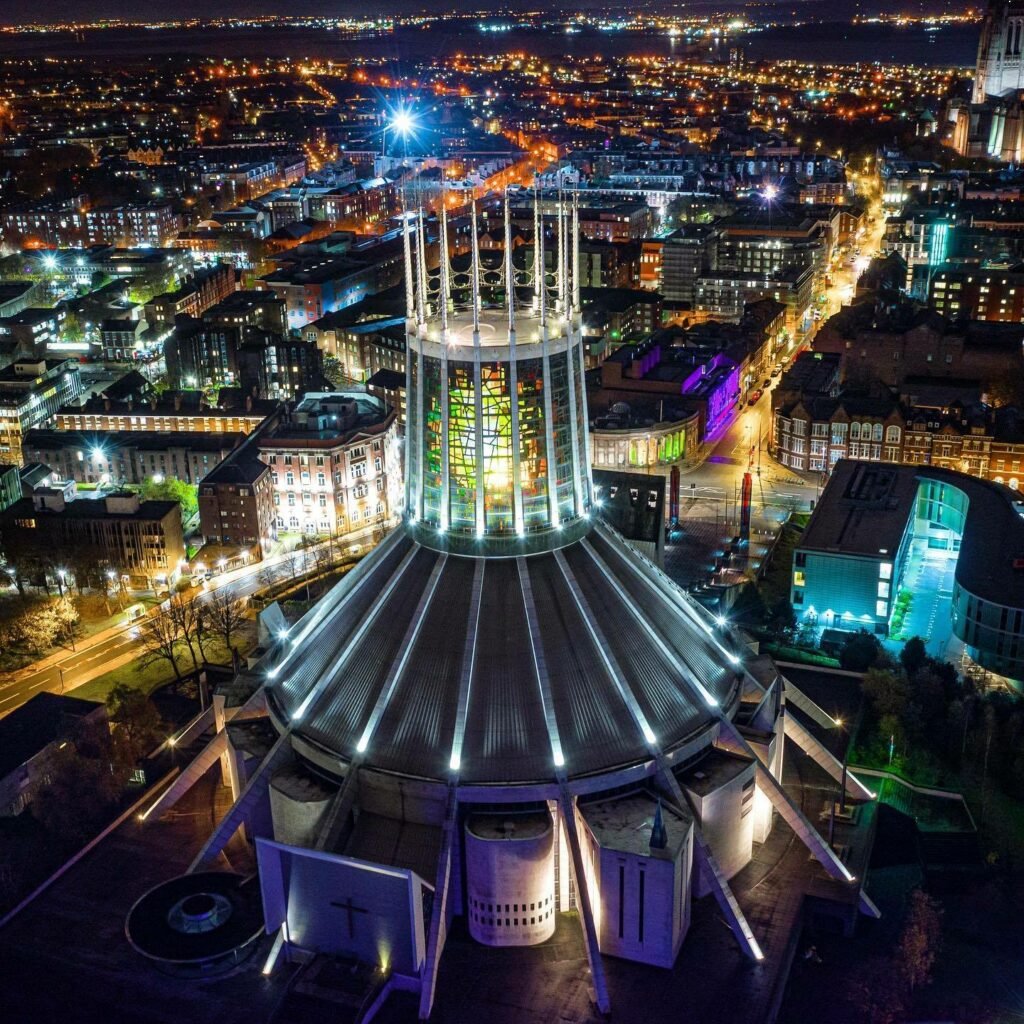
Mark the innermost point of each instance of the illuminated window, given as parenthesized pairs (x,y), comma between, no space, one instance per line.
(881,608)
(799,580)
(885,571)
(462,446)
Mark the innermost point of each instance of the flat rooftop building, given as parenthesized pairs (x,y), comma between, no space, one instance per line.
(872,520)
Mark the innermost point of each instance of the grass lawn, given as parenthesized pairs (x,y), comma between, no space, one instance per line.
(152,677)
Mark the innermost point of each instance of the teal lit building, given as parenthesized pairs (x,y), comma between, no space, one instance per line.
(853,556)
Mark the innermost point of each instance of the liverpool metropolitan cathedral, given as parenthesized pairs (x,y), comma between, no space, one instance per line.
(505,720)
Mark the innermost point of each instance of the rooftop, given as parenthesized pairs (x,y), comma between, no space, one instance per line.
(863,510)
(38,722)
(523,717)
(625,822)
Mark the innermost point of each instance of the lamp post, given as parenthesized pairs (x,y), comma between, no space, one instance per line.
(842,796)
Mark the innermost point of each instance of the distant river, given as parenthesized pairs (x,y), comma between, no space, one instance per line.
(827,43)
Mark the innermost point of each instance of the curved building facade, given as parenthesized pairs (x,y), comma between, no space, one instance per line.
(510,878)
(874,522)
(497,435)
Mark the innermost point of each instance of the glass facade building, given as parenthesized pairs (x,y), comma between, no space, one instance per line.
(498,426)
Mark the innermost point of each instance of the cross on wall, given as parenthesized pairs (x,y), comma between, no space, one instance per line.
(350,908)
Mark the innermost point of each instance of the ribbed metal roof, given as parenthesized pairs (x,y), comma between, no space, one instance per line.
(509,670)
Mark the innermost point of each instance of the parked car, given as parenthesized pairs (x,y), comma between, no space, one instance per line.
(754,396)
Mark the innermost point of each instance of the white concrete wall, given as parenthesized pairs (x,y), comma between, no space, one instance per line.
(510,887)
(727,823)
(296,821)
(653,932)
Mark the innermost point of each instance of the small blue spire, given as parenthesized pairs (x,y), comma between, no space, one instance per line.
(659,837)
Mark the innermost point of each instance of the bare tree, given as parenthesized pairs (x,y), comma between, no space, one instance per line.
(225,615)
(187,614)
(159,635)
(267,576)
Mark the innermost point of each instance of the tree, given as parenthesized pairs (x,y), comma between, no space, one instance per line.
(860,651)
(138,725)
(65,619)
(37,628)
(188,618)
(887,691)
(332,371)
(919,941)
(79,798)
(874,990)
(159,636)
(225,615)
(782,618)
(171,489)
(913,656)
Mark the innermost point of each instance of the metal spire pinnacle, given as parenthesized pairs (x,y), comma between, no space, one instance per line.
(576,251)
(560,213)
(421,272)
(475,279)
(442,298)
(410,310)
(541,275)
(510,278)
(659,835)
(538,255)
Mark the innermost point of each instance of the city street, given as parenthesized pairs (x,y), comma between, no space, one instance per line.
(118,646)
(714,488)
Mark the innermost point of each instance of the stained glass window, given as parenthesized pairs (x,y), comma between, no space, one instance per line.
(533,466)
(496,404)
(462,446)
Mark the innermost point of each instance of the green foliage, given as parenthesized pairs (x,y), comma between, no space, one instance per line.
(914,656)
(860,651)
(80,798)
(172,489)
(36,626)
(880,989)
(138,727)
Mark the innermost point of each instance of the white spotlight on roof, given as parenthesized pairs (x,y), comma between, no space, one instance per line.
(403,122)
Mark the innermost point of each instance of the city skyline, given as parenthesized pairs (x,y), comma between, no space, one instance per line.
(512,516)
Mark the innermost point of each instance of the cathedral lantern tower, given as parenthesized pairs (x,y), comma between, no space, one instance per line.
(497,427)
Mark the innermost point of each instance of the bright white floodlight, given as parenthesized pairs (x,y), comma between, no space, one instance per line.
(403,122)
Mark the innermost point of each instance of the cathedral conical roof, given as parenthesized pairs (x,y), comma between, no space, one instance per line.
(506,670)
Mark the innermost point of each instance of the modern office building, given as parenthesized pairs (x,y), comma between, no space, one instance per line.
(31,392)
(139,539)
(872,520)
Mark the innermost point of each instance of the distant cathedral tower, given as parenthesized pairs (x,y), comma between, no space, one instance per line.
(1000,70)
(992,124)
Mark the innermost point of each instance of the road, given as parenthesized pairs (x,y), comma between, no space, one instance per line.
(118,646)
(718,481)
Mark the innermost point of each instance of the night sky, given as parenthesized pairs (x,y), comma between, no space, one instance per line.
(13,12)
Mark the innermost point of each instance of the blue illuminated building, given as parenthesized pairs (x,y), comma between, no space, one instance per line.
(874,520)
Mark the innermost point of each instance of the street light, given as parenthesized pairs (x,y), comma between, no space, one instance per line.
(842,794)
(403,122)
